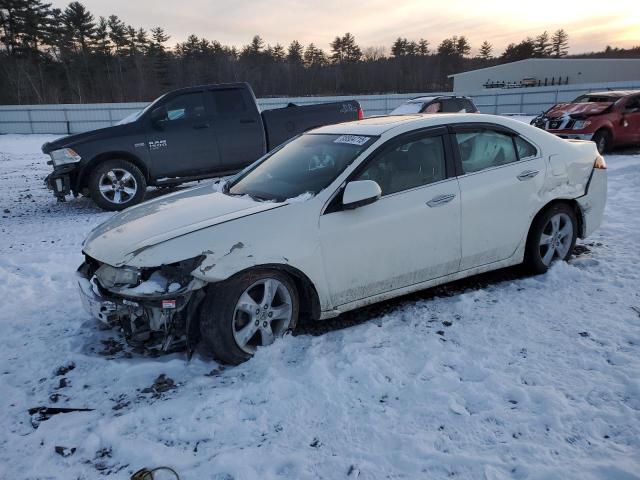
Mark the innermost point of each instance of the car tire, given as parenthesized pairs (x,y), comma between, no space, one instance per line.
(552,237)
(225,320)
(116,184)
(603,141)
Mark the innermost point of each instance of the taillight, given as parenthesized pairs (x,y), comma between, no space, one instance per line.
(600,163)
(360,113)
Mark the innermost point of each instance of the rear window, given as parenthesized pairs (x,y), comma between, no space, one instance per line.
(408,108)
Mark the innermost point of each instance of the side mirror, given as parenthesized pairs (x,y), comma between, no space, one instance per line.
(158,115)
(359,193)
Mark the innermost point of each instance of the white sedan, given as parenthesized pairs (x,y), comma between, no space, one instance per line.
(337,218)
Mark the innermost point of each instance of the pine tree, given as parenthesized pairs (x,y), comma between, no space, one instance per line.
(295,52)
(462,46)
(399,47)
(314,56)
(117,33)
(345,49)
(423,47)
(486,51)
(80,25)
(101,37)
(542,46)
(560,43)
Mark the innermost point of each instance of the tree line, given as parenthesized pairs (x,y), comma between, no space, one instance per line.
(52,55)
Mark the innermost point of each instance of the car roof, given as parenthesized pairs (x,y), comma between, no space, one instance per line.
(376,126)
(434,97)
(612,93)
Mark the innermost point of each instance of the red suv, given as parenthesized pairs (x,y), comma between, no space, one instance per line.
(609,118)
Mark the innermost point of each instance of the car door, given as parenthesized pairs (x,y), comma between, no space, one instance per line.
(630,125)
(501,179)
(180,139)
(410,235)
(238,126)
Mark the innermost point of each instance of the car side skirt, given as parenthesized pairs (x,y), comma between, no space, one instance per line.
(515,259)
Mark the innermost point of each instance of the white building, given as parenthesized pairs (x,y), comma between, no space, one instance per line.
(548,71)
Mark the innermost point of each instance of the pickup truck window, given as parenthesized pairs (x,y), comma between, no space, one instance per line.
(185,106)
(229,102)
(307,164)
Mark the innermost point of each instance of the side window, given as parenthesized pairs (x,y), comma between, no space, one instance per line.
(632,105)
(435,107)
(185,107)
(525,149)
(229,102)
(451,105)
(410,165)
(482,149)
(468,105)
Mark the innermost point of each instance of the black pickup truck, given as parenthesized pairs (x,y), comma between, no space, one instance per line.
(187,134)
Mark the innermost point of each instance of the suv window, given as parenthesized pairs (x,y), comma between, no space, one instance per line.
(451,105)
(229,102)
(524,148)
(482,149)
(185,107)
(633,104)
(410,165)
(468,105)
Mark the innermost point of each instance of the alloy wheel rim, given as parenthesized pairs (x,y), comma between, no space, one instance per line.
(556,238)
(262,313)
(118,186)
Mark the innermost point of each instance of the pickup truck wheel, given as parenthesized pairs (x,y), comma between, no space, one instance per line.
(603,141)
(552,237)
(248,311)
(116,184)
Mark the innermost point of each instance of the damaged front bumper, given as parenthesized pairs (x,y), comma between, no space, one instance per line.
(60,180)
(153,320)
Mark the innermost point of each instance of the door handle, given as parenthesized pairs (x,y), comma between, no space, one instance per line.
(441,200)
(527,174)
(247,120)
(200,126)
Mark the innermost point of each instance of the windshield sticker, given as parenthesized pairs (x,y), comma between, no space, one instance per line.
(352,140)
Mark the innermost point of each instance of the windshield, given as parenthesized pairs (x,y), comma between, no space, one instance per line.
(307,164)
(595,98)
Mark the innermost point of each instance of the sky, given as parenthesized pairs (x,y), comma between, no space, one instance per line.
(592,25)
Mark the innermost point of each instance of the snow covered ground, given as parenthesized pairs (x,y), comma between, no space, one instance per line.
(524,378)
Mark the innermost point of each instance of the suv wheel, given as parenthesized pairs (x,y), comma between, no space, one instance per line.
(248,311)
(603,141)
(552,237)
(117,184)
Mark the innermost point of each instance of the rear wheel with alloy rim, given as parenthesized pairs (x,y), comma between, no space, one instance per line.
(552,237)
(117,184)
(248,311)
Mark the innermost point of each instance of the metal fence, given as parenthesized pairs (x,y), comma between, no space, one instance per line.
(72,118)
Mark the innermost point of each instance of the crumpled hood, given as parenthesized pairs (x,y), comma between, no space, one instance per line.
(124,235)
(584,109)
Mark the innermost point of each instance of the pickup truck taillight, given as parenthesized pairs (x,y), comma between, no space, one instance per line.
(360,113)
(600,163)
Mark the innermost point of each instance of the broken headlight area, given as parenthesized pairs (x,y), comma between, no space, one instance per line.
(152,306)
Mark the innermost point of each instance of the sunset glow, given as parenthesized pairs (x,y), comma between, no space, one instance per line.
(379,22)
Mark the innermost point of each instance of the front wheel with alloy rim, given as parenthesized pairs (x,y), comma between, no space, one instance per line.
(552,237)
(117,184)
(248,311)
